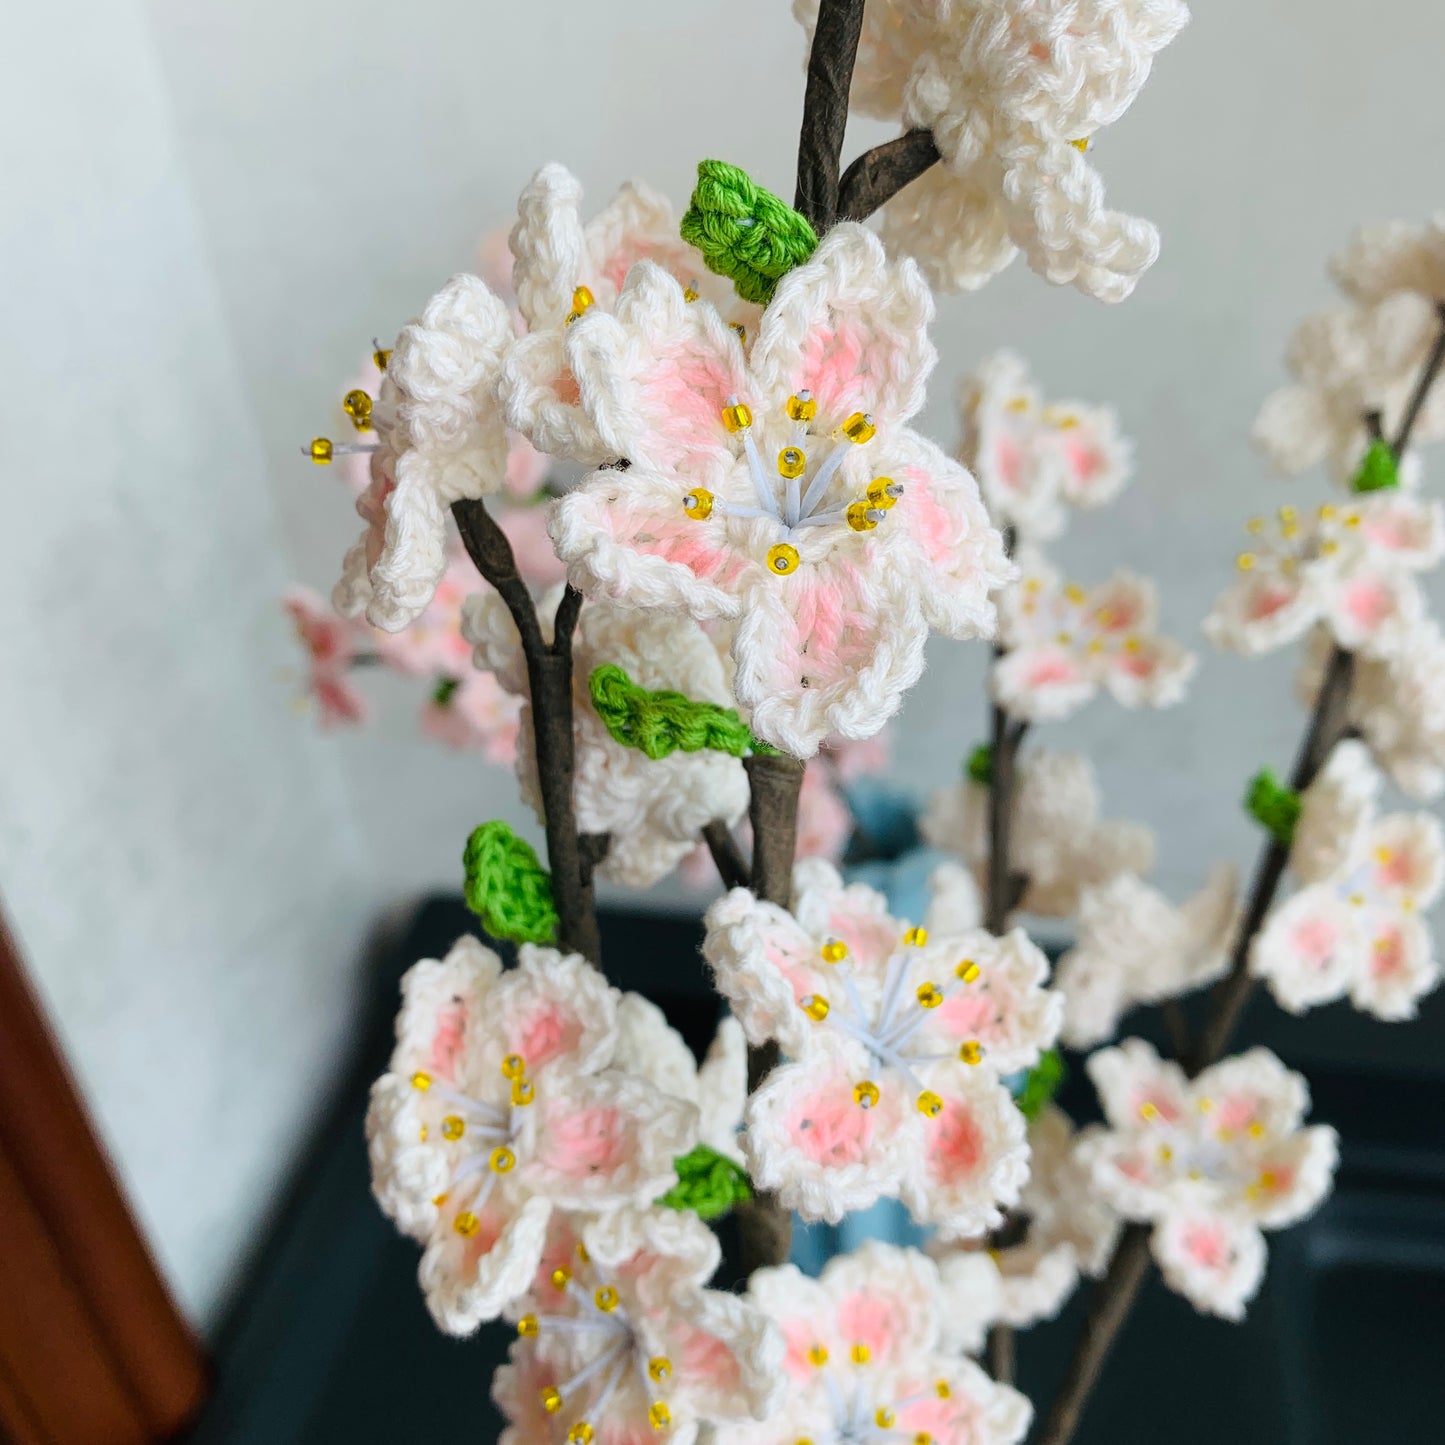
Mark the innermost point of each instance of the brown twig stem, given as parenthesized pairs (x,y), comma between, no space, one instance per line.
(878,175)
(825,109)
(731,865)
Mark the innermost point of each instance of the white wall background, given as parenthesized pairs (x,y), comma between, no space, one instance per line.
(207,211)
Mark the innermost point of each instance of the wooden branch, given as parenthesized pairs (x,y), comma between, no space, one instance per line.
(825,109)
(731,865)
(1422,389)
(878,175)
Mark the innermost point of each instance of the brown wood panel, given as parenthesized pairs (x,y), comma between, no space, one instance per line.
(94,1258)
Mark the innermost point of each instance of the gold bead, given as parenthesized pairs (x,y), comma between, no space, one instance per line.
(861,1353)
(883,493)
(453,1127)
(1328,512)
(802,407)
(527,1326)
(551,1399)
(1166,1154)
(859,428)
(741,330)
(582,1255)
(423,1133)
(523,1092)
(466,1224)
(1254,526)
(815,1006)
(381,357)
(858,517)
(942,1389)
(698,504)
(320,450)
(737,415)
(357,405)
(659,1367)
(865,1095)
(421,1080)
(834,951)
(923,1438)
(1075,593)
(1288,515)
(561,1277)
(1256,1130)
(1017,404)
(1205,1106)
(606,1299)
(1081,145)
(439,1199)
(818,1356)
(502,1160)
(930,1104)
(658,1415)
(580,1434)
(513,1066)
(971,1051)
(883,1417)
(1245,561)
(792,462)
(689,293)
(967,970)
(929,995)
(1148,1110)
(582,300)
(916,937)
(783,559)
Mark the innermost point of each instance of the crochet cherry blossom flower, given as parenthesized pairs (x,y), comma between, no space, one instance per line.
(1069,1231)
(500,1106)
(330,645)
(1348,566)
(564,269)
(1397,703)
(1057,839)
(1210,1162)
(1355,926)
(440,438)
(785,493)
(1033,461)
(618,1340)
(474,714)
(1013,92)
(654,809)
(1393,256)
(1064,642)
(895,1037)
(1134,946)
(871,1355)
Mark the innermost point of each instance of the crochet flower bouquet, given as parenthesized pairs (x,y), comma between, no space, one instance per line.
(647,509)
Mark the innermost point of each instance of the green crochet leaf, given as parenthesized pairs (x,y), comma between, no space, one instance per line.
(979,766)
(506,886)
(744,232)
(708,1183)
(1041,1083)
(1379,471)
(1272,805)
(662,723)
(445,691)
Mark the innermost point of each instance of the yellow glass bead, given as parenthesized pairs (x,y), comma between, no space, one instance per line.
(1254,526)
(1148,1110)
(582,300)
(561,1277)
(916,937)
(737,415)
(1268,1179)
(1081,145)
(929,995)
(865,1095)
(582,1255)
(466,1224)
(658,1415)
(1329,547)
(858,517)
(580,1434)
(513,1066)
(453,1127)
(527,1326)
(1166,1154)
(689,293)
(971,1051)
(861,1353)
(320,450)
(815,1006)
(834,951)
(551,1399)
(802,407)
(930,1104)
(859,428)
(1017,404)
(1205,1106)
(698,504)
(424,1133)
(1328,512)
(439,1200)
(923,1438)
(1133,644)
(381,357)
(818,1356)
(523,1092)
(606,1299)
(1352,519)
(659,1367)
(967,970)
(883,493)
(421,1080)
(1245,561)
(783,559)
(502,1160)
(357,405)
(1075,593)
(942,1389)
(792,462)
(883,1417)
(741,330)
(1256,1130)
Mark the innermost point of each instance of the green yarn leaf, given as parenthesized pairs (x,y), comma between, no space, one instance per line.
(445,691)
(708,1183)
(507,887)
(662,723)
(1379,471)
(1273,806)
(744,232)
(979,766)
(1041,1083)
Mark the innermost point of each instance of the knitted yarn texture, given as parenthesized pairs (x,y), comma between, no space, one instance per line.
(664,722)
(506,887)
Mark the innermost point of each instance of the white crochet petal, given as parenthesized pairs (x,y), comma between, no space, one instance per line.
(722,1085)
(681,1249)
(1310,949)
(1292,429)
(888,1298)
(953,224)
(972,1299)
(647,1045)
(548,246)
(554,1010)
(1214,1261)
(954,902)
(533,386)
